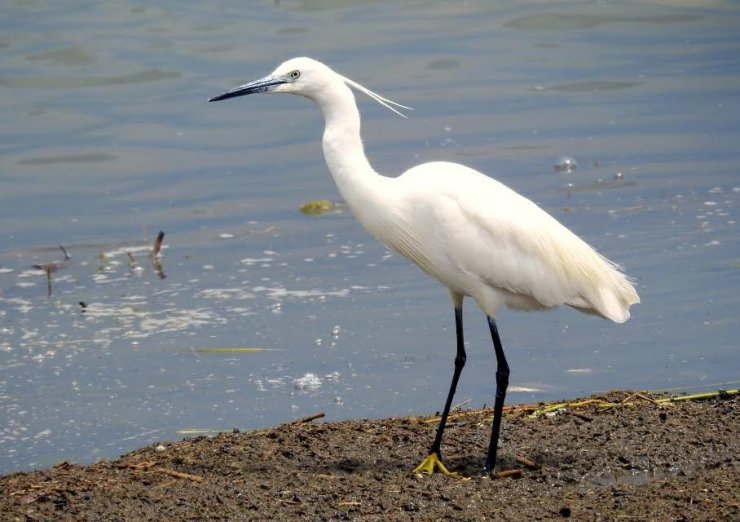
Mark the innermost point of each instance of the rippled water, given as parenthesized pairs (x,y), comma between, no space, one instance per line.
(254,313)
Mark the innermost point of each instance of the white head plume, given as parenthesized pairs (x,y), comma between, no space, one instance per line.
(385,102)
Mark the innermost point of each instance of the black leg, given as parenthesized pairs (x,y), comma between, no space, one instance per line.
(459,363)
(502,382)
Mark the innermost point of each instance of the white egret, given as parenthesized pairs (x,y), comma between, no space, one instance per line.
(470,232)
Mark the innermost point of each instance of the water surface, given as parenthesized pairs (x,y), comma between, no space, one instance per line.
(107,139)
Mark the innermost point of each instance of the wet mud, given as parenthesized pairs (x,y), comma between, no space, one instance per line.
(637,461)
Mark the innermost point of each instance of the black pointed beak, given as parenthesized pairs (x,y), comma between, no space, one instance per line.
(265,84)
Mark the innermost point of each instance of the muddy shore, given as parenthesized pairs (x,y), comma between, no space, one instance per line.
(637,461)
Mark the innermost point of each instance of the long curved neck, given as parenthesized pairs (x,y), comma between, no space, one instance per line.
(356,180)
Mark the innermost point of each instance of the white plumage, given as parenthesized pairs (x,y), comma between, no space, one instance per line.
(473,234)
(481,239)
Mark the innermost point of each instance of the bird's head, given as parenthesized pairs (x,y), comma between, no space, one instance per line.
(303,76)
(306,77)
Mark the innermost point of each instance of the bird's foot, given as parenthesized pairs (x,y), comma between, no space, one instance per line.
(432,464)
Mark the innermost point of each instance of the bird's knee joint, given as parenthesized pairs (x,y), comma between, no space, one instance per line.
(502,377)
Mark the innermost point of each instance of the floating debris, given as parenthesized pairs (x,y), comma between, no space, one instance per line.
(235,349)
(599,185)
(155,257)
(50,268)
(309,382)
(316,207)
(131,260)
(158,244)
(565,164)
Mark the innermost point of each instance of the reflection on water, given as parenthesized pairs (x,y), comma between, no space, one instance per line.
(45,82)
(67,56)
(70,158)
(590,86)
(573,21)
(267,314)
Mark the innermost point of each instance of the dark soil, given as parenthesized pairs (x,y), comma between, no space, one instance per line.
(677,461)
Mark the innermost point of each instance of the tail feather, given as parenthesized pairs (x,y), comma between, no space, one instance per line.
(609,293)
(616,306)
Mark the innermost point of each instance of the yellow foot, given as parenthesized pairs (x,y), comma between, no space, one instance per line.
(432,463)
